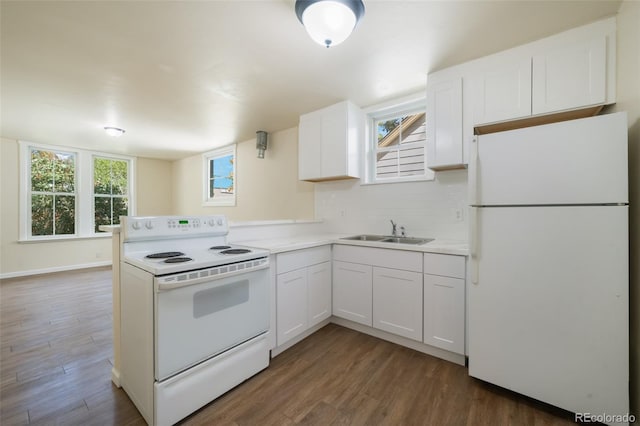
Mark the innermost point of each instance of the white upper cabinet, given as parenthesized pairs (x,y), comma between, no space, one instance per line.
(502,90)
(444,128)
(329,141)
(568,75)
(309,147)
(571,76)
(570,71)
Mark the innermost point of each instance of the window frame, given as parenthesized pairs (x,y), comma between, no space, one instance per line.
(128,195)
(403,106)
(206,161)
(53,192)
(84,217)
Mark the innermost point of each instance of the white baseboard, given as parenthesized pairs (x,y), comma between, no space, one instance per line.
(399,340)
(115,377)
(286,345)
(54,269)
(402,341)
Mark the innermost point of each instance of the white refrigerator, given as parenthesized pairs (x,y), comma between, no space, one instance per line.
(549,295)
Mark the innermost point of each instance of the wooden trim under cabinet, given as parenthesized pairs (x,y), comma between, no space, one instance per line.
(538,120)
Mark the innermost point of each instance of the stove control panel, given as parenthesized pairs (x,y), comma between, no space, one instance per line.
(155,227)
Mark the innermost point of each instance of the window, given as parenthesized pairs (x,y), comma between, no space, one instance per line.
(70,192)
(219,168)
(397,143)
(53,192)
(110,191)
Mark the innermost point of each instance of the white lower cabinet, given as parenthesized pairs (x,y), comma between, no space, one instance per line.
(303,291)
(291,316)
(415,295)
(444,302)
(352,291)
(318,293)
(397,302)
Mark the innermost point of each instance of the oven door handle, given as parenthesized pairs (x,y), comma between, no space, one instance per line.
(173,282)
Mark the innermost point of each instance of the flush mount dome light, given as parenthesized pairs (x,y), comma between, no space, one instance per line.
(329,22)
(114,131)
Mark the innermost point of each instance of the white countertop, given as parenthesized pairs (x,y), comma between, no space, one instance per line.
(280,245)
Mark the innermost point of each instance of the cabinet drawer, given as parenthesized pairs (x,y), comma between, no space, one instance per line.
(297,259)
(445,265)
(386,258)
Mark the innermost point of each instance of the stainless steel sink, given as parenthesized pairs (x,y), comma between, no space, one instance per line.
(407,240)
(389,239)
(365,238)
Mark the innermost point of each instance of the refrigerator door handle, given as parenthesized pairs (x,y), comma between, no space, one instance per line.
(473,171)
(473,246)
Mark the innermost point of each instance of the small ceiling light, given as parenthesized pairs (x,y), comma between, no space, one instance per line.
(114,131)
(261,142)
(329,22)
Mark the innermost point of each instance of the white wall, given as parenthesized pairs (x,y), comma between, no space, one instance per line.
(154,187)
(425,209)
(21,258)
(267,189)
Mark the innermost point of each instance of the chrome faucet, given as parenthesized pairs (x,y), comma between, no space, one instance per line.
(393,228)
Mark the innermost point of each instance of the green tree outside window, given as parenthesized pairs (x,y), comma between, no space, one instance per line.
(111,191)
(53,193)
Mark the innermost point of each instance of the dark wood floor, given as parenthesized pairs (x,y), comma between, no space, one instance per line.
(56,355)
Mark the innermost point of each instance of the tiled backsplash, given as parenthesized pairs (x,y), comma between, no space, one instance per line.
(435,209)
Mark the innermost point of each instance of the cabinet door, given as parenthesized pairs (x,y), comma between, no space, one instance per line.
(444,312)
(319,292)
(397,302)
(334,140)
(291,304)
(444,129)
(352,292)
(502,91)
(570,77)
(310,146)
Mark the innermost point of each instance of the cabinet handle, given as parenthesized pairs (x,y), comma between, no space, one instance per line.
(394,278)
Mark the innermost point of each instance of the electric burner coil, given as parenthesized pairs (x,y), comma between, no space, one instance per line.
(164,255)
(235,251)
(178,260)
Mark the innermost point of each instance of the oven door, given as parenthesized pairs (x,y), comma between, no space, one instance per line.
(203,317)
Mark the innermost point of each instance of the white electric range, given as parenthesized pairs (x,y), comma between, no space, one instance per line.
(194,313)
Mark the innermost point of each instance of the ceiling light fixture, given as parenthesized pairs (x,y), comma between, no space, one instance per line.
(329,22)
(114,131)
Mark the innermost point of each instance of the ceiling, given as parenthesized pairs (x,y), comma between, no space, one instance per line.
(184,77)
